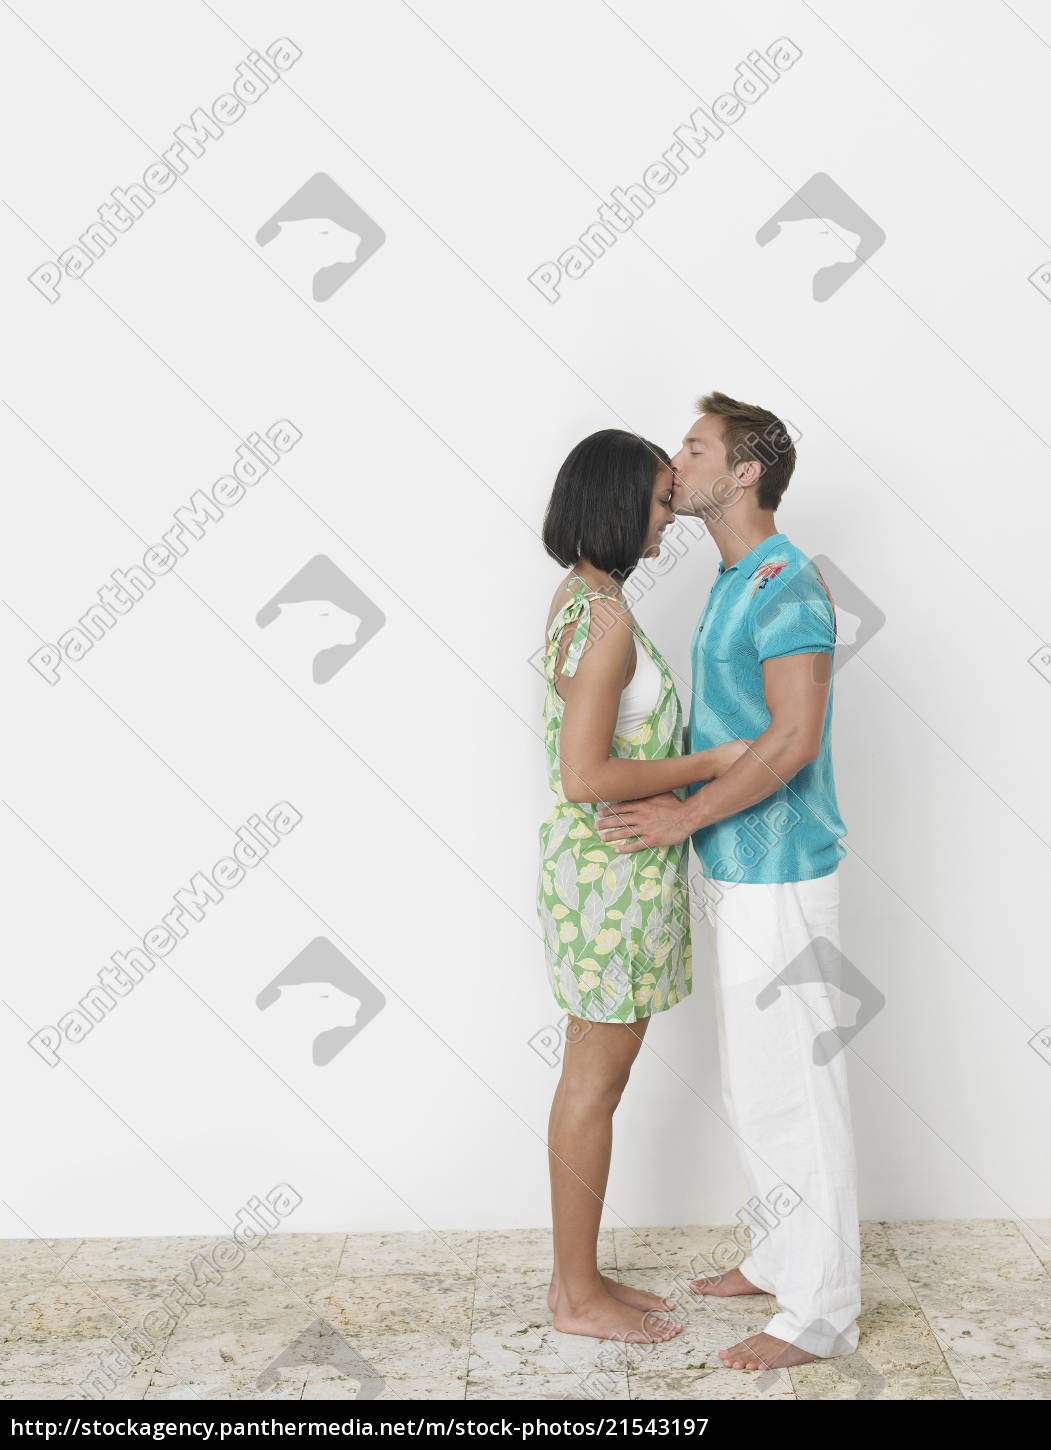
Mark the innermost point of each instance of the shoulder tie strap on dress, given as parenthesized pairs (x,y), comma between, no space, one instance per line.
(579,609)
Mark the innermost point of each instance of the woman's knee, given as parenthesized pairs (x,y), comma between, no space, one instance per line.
(595,1089)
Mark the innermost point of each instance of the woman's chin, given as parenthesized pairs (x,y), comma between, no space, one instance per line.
(651,552)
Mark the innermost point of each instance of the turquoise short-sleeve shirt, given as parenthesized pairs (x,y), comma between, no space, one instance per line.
(769,604)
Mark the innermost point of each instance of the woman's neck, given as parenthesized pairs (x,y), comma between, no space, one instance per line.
(598,578)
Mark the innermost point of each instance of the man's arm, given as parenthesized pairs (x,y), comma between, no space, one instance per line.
(795,688)
(588,771)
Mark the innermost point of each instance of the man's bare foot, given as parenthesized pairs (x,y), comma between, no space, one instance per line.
(637,1298)
(723,1285)
(764,1352)
(603,1317)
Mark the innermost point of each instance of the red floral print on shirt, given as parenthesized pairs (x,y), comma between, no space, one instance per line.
(766,572)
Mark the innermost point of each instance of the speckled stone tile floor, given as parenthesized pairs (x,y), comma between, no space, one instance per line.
(951,1310)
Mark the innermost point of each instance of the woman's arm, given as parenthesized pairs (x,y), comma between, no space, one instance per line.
(588,771)
(795,688)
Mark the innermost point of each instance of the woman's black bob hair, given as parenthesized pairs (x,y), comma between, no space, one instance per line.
(600,505)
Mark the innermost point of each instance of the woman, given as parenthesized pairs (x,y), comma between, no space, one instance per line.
(616,927)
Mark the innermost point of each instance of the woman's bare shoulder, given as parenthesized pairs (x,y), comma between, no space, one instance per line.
(607,607)
(596,591)
(562,596)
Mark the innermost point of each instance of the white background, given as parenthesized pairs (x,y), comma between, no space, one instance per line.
(437,392)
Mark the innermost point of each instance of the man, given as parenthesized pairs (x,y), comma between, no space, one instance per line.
(762,667)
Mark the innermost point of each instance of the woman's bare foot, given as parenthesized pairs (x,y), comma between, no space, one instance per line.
(637,1298)
(723,1285)
(764,1352)
(603,1317)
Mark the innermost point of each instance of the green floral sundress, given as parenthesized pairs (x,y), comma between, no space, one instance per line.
(616,928)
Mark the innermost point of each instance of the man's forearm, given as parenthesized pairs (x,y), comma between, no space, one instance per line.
(770,763)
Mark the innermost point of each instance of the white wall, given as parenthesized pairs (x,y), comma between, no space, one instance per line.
(436,393)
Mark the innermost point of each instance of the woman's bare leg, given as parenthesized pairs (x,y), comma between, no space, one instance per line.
(596,1062)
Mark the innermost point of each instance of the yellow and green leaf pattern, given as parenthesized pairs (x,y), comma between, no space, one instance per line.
(616,928)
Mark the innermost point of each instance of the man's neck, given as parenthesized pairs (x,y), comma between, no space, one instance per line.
(735,535)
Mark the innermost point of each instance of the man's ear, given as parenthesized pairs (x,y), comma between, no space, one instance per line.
(748,473)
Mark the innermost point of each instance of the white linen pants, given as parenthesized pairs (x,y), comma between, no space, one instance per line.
(787,1104)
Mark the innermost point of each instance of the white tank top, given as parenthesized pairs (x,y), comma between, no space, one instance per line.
(639,697)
